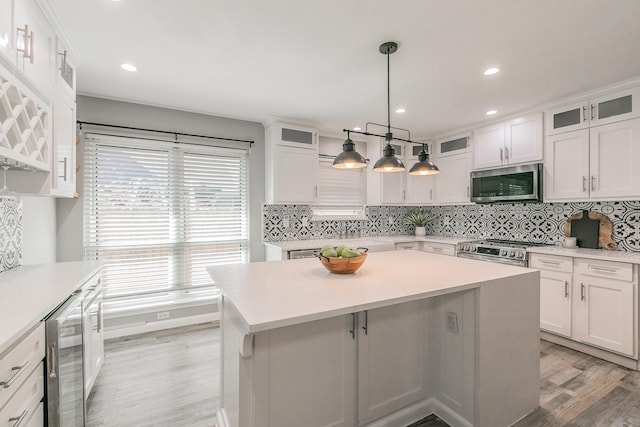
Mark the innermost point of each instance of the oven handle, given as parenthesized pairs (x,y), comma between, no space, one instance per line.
(518,263)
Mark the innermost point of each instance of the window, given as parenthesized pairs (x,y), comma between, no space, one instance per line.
(157,213)
(340,193)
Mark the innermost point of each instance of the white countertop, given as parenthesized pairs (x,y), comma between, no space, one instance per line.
(268,295)
(30,292)
(601,254)
(289,245)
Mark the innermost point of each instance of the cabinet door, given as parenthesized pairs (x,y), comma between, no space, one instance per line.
(567,118)
(604,313)
(488,146)
(566,166)
(614,151)
(314,364)
(614,107)
(555,302)
(523,139)
(38,67)
(419,189)
(295,175)
(65,69)
(64,142)
(393,183)
(390,359)
(452,183)
(6,31)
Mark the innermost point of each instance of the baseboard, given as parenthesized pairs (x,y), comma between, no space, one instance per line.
(449,416)
(144,327)
(405,416)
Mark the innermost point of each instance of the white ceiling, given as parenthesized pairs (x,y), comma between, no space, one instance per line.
(318,61)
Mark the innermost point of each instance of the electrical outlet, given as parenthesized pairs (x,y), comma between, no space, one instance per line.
(305,221)
(452,322)
(285,221)
(391,220)
(163,315)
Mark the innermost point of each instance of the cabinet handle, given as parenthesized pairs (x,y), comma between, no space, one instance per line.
(603,269)
(545,261)
(430,194)
(566,289)
(437,249)
(65,169)
(52,359)
(404,194)
(467,191)
(506,154)
(18,420)
(31,44)
(593,182)
(584,184)
(584,113)
(63,65)
(17,370)
(592,111)
(99,318)
(315,191)
(365,327)
(501,159)
(582,291)
(352,331)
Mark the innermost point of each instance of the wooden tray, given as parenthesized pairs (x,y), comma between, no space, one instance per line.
(604,231)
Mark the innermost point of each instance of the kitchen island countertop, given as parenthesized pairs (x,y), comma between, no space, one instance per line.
(268,295)
(30,292)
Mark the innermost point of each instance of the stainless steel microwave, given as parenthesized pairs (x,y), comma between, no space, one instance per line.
(508,184)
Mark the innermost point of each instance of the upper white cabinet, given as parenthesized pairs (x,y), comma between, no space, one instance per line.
(515,141)
(453,145)
(291,164)
(419,189)
(597,111)
(596,163)
(63,177)
(452,183)
(393,184)
(34,45)
(65,69)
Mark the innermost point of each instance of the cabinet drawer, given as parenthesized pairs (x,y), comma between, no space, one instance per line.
(437,248)
(18,362)
(606,269)
(551,262)
(25,402)
(408,246)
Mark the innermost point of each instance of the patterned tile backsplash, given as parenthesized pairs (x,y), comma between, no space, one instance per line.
(10,232)
(533,222)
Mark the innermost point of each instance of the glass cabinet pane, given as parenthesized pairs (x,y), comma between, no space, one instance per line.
(566,118)
(615,107)
(453,145)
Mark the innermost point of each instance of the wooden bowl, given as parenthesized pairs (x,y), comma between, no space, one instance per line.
(342,265)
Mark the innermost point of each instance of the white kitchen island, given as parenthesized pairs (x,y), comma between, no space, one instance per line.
(407,335)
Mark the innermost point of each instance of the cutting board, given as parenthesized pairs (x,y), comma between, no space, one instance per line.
(591,230)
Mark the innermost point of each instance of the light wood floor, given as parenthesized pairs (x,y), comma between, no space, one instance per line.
(165,378)
(170,378)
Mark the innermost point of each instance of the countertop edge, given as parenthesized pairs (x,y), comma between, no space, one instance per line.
(598,254)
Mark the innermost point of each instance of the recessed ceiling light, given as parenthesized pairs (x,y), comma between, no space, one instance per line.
(400,110)
(357,128)
(491,112)
(491,71)
(129,67)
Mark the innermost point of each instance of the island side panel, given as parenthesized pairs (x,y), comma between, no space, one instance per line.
(507,349)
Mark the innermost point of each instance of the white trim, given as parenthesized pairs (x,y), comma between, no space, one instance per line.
(144,327)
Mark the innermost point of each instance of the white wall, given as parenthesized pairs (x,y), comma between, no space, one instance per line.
(38,230)
(97,110)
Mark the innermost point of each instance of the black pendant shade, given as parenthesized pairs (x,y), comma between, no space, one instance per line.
(389,162)
(349,158)
(424,166)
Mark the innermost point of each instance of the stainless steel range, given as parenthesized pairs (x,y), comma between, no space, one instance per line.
(502,251)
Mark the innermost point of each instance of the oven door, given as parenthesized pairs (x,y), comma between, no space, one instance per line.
(491,258)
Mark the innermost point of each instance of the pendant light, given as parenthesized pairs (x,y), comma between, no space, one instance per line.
(349,158)
(424,166)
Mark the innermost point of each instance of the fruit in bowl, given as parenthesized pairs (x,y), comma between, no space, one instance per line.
(342,259)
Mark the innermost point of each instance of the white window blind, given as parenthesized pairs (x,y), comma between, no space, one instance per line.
(340,192)
(157,214)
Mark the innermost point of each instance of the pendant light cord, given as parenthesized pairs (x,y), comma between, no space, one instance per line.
(388,95)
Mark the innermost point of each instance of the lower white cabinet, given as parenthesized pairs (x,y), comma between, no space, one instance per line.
(589,301)
(341,371)
(604,313)
(439,248)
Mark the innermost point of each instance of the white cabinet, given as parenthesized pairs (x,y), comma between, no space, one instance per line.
(393,184)
(34,45)
(419,189)
(391,359)
(439,248)
(453,145)
(63,175)
(596,163)
(408,246)
(613,107)
(291,164)
(65,69)
(92,333)
(6,29)
(452,183)
(589,301)
(512,142)
(555,302)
